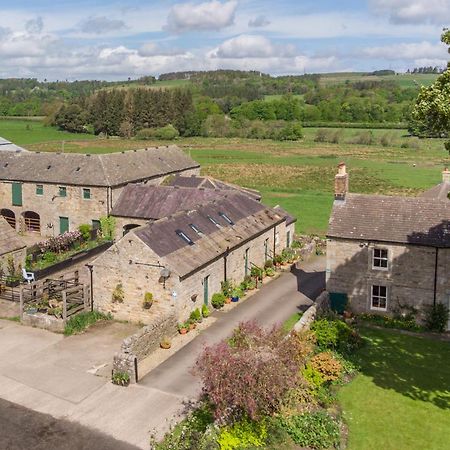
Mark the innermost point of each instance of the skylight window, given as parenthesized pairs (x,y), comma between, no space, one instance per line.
(185,237)
(194,228)
(227,219)
(217,224)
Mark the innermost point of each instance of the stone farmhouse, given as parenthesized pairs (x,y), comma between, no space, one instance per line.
(50,193)
(183,258)
(388,254)
(11,247)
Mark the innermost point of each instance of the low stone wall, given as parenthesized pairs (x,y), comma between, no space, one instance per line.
(322,303)
(141,344)
(44,321)
(308,250)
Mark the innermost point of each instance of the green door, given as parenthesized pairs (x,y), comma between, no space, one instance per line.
(17,194)
(206,290)
(338,302)
(63,224)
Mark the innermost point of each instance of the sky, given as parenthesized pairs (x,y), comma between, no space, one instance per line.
(88,39)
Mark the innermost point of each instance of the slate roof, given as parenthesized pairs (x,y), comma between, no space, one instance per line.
(155,202)
(8,146)
(211,183)
(111,169)
(381,218)
(9,240)
(438,192)
(249,218)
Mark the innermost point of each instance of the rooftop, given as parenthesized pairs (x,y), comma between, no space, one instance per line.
(407,220)
(8,146)
(110,169)
(438,192)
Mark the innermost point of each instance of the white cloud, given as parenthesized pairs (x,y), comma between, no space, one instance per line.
(252,46)
(212,15)
(406,51)
(35,25)
(101,25)
(414,11)
(258,22)
(154,49)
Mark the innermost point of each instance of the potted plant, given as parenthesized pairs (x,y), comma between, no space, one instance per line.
(148,300)
(196,316)
(270,272)
(192,324)
(205,311)
(251,285)
(235,295)
(227,300)
(165,343)
(120,378)
(182,329)
(218,300)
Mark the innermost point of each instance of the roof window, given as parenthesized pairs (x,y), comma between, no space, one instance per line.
(226,218)
(214,221)
(185,237)
(194,228)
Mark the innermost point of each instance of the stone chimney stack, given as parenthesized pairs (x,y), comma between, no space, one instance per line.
(341,182)
(446,175)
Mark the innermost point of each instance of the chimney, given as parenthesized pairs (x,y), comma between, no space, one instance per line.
(341,182)
(446,175)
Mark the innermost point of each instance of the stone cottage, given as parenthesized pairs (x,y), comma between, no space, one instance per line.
(183,258)
(50,193)
(388,254)
(12,248)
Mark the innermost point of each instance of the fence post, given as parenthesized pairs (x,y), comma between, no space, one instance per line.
(21,302)
(64,298)
(77,276)
(86,296)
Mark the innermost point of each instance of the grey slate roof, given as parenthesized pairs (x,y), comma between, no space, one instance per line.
(391,219)
(211,183)
(249,218)
(9,240)
(8,146)
(438,192)
(155,202)
(111,169)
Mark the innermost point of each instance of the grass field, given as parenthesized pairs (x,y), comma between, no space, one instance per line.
(168,84)
(296,175)
(401,398)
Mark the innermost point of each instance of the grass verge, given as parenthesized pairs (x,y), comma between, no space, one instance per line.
(84,320)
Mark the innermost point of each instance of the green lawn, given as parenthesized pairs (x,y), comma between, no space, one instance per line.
(401,399)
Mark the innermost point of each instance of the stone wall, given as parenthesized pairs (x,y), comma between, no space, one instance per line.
(308,317)
(18,258)
(409,277)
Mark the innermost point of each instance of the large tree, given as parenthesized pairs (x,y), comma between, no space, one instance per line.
(431,113)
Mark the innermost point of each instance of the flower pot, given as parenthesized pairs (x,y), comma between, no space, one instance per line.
(192,326)
(234,299)
(183,331)
(147,305)
(228,300)
(165,345)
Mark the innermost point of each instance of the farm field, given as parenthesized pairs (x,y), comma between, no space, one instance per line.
(402,388)
(296,175)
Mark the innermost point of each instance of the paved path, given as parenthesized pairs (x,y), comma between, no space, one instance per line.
(131,414)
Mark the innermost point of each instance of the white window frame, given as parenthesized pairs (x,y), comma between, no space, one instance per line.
(380,258)
(379,296)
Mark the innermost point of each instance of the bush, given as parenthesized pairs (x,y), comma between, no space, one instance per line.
(386,139)
(227,287)
(335,335)
(257,272)
(243,434)
(313,430)
(205,311)
(400,322)
(78,323)
(290,132)
(329,368)
(118,294)
(167,133)
(436,317)
(218,300)
(120,378)
(252,372)
(364,138)
(195,316)
(85,230)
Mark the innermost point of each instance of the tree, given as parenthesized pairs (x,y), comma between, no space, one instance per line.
(72,118)
(431,113)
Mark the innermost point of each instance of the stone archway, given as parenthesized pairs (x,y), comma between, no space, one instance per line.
(32,221)
(9,216)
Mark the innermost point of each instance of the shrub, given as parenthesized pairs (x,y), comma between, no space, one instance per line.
(322,135)
(268,264)
(218,300)
(167,133)
(205,311)
(329,368)
(313,430)
(386,139)
(108,227)
(253,372)
(257,272)
(335,335)
(401,322)
(120,378)
(227,287)
(364,138)
(118,294)
(436,317)
(243,434)
(196,316)
(270,272)
(313,377)
(78,323)
(85,230)
(290,132)
(148,300)
(60,243)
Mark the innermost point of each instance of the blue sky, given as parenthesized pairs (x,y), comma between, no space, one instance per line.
(83,39)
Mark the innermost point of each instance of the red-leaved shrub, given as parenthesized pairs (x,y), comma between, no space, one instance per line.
(252,372)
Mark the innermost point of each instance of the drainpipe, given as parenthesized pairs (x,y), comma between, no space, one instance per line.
(91,274)
(227,252)
(435,275)
(274,238)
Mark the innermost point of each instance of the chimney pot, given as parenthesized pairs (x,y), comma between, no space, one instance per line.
(341,182)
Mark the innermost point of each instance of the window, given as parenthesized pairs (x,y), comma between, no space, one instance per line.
(185,237)
(62,191)
(226,218)
(86,193)
(379,298)
(214,221)
(380,258)
(39,189)
(194,228)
